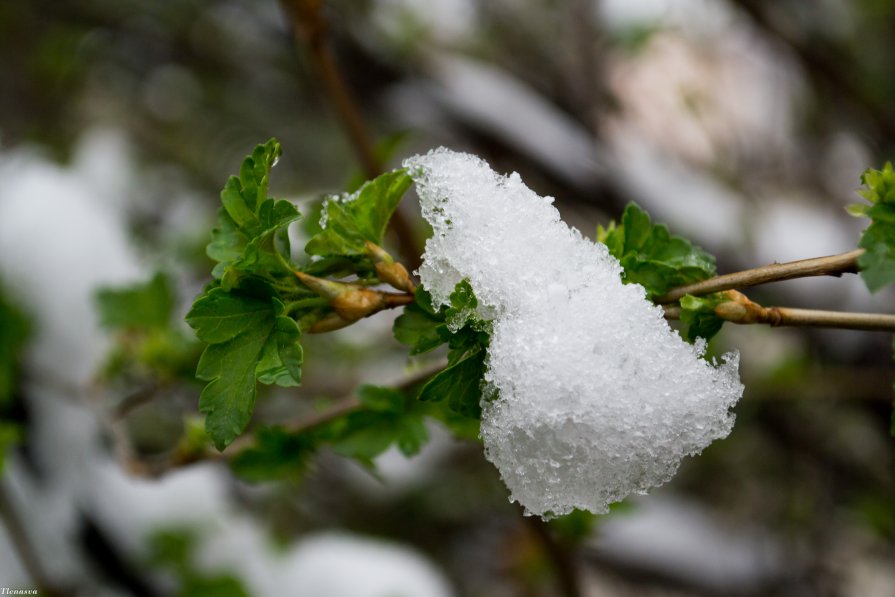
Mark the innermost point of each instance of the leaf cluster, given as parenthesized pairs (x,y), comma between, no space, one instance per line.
(253,314)
(149,340)
(653,257)
(386,417)
(877,264)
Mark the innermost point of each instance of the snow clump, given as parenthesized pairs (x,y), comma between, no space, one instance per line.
(598,397)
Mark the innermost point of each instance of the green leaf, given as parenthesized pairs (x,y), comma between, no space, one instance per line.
(248,339)
(148,305)
(218,315)
(251,235)
(349,221)
(651,256)
(382,399)
(419,326)
(877,264)
(15,328)
(277,454)
(10,435)
(698,313)
(459,385)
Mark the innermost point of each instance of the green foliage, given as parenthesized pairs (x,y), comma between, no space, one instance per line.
(423,329)
(14,331)
(142,314)
(698,312)
(878,240)
(277,454)
(385,417)
(253,315)
(352,220)
(146,305)
(651,256)
(172,549)
(249,339)
(10,435)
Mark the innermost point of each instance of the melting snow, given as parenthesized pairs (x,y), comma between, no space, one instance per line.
(598,397)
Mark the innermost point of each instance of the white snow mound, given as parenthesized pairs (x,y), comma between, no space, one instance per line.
(598,397)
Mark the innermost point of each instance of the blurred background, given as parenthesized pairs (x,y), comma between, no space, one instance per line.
(743,124)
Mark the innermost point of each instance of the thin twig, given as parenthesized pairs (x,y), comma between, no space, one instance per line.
(561,557)
(834,265)
(310,28)
(341,407)
(743,311)
(18,536)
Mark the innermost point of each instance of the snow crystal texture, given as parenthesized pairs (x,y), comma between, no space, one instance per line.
(598,397)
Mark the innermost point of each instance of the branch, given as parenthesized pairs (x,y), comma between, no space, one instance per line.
(740,310)
(834,265)
(310,28)
(340,408)
(18,536)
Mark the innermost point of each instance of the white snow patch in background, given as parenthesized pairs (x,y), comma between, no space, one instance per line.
(673,536)
(339,565)
(599,398)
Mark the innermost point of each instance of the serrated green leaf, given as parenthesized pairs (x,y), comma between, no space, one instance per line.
(651,256)
(277,454)
(877,264)
(248,340)
(698,313)
(251,234)
(419,329)
(352,220)
(229,398)
(459,385)
(218,315)
(147,305)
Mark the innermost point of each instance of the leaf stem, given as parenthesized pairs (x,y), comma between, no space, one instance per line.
(833,265)
(26,550)
(306,302)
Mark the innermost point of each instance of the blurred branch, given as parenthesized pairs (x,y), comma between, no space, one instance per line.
(310,28)
(340,408)
(18,536)
(560,555)
(833,265)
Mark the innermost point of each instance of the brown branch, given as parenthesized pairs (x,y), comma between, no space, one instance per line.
(740,310)
(310,28)
(18,536)
(834,265)
(341,407)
